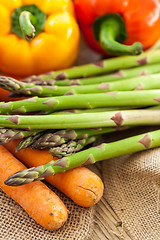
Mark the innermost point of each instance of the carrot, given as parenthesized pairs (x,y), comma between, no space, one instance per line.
(43,205)
(83,186)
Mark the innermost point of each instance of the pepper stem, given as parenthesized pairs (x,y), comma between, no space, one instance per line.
(27,21)
(110,31)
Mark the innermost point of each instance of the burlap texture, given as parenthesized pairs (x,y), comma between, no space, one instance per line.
(132,189)
(15,223)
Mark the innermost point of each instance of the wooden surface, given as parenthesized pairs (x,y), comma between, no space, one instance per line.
(105,220)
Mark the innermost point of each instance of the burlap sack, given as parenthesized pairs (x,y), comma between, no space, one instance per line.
(15,224)
(132,189)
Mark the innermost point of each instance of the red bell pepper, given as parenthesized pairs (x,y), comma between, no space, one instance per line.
(119,27)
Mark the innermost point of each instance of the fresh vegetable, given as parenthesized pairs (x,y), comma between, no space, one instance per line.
(90,156)
(71,147)
(136,117)
(40,139)
(37,36)
(43,205)
(83,186)
(81,101)
(118,75)
(52,138)
(28,140)
(49,138)
(110,26)
(138,83)
(102,67)
(7,134)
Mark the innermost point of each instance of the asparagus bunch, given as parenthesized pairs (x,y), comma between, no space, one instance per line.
(82,101)
(47,139)
(104,66)
(60,143)
(139,83)
(115,76)
(70,141)
(89,156)
(70,147)
(50,140)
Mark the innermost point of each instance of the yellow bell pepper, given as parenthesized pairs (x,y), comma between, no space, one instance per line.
(51,46)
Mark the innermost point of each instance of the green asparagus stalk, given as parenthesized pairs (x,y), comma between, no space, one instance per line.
(139,83)
(105,66)
(71,147)
(88,120)
(118,75)
(7,134)
(83,101)
(89,156)
(50,140)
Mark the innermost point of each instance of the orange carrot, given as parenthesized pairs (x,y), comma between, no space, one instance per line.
(43,205)
(80,184)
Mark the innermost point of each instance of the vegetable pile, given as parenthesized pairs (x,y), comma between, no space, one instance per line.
(74,115)
(62,113)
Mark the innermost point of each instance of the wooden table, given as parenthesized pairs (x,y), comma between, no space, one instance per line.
(105,220)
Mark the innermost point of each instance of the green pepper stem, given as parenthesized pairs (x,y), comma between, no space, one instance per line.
(26,20)
(109,32)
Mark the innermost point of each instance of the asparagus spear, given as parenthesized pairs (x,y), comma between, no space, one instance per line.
(118,75)
(28,141)
(104,66)
(138,83)
(90,156)
(88,120)
(82,101)
(7,134)
(71,147)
